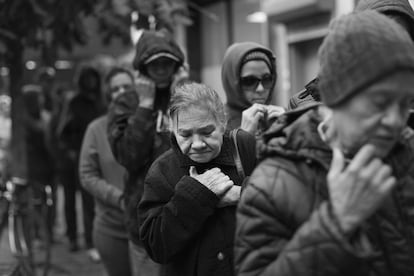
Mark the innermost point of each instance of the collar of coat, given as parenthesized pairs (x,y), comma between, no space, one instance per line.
(296,137)
(225,157)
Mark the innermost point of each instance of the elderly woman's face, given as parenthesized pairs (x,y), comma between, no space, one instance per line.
(198,134)
(376,115)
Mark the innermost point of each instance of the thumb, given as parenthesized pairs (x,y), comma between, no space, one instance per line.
(193,171)
(338,162)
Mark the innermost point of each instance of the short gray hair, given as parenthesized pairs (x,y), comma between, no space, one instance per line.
(202,96)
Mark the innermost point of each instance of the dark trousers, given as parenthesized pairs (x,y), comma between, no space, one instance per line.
(114,253)
(70,181)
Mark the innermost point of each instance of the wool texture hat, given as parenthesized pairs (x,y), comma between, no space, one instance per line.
(257,55)
(398,8)
(360,49)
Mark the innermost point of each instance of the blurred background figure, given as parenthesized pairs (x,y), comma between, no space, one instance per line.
(46,79)
(77,112)
(249,77)
(40,165)
(103,177)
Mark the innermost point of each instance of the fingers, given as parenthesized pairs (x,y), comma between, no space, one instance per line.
(337,164)
(274,111)
(193,171)
(362,158)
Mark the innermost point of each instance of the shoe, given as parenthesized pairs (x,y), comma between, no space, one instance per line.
(94,255)
(73,246)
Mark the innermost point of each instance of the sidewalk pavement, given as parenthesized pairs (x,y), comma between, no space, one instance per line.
(63,262)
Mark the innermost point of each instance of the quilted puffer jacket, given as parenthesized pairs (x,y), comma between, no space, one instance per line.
(285,225)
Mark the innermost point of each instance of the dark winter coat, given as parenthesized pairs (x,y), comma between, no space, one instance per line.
(230,76)
(181,226)
(78,111)
(285,224)
(40,166)
(132,130)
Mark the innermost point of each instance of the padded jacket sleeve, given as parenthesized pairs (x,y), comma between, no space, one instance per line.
(281,232)
(131,131)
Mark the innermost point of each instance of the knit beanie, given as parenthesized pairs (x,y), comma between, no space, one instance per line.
(361,48)
(257,55)
(398,8)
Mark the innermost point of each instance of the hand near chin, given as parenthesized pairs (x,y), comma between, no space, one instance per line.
(358,190)
(145,88)
(214,180)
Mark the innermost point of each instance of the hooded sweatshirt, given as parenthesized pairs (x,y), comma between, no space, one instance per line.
(230,76)
(135,136)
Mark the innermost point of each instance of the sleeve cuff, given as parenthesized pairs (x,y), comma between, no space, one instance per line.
(198,191)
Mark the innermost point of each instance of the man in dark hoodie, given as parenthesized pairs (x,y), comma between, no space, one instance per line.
(249,76)
(138,127)
(398,10)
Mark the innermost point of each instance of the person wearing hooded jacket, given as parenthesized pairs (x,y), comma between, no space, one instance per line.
(138,128)
(399,10)
(249,76)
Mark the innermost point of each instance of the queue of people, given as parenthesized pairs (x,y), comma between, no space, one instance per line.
(185,184)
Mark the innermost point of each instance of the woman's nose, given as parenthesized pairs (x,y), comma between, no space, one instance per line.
(198,142)
(260,88)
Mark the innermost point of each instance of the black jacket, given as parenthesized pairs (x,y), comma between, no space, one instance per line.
(285,224)
(181,226)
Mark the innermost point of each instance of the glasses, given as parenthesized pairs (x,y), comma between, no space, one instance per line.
(251,82)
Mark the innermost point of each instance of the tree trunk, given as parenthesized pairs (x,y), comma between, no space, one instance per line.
(18,146)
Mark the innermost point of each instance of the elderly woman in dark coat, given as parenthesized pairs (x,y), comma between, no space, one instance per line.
(187,211)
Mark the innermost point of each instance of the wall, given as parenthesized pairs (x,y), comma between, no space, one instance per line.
(216,36)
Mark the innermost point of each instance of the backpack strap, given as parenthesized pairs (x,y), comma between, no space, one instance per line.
(236,155)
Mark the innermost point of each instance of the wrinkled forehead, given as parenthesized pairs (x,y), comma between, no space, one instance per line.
(193,117)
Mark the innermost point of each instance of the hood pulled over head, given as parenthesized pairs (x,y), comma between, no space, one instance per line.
(155,44)
(231,69)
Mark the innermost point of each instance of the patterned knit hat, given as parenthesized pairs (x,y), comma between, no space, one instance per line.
(257,55)
(360,49)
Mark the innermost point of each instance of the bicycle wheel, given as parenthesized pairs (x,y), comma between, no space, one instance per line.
(41,238)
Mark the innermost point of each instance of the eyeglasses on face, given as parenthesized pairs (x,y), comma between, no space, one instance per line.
(251,82)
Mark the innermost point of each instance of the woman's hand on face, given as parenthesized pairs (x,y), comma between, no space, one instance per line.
(213,179)
(358,190)
(145,88)
(231,197)
(251,117)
